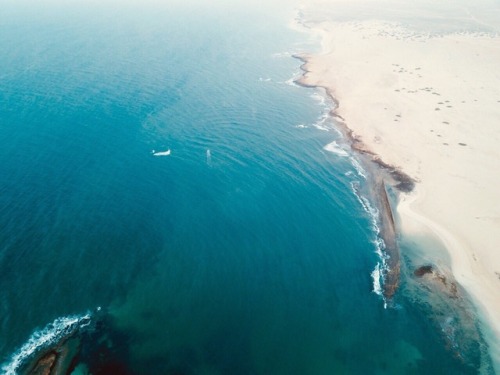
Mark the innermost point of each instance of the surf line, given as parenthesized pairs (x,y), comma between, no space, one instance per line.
(381,177)
(52,334)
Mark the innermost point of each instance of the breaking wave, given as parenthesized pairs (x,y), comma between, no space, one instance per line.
(377,278)
(51,334)
(381,268)
(358,167)
(334,147)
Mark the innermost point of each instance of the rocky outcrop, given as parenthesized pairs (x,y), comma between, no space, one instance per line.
(388,234)
(434,278)
(56,360)
(45,364)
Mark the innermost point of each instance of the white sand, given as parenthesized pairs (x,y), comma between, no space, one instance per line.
(420,86)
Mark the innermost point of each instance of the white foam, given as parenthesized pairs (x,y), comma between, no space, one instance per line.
(336,149)
(161,153)
(365,203)
(282,54)
(377,276)
(51,334)
(321,127)
(291,81)
(321,123)
(264,79)
(301,126)
(358,167)
(324,118)
(320,98)
(381,267)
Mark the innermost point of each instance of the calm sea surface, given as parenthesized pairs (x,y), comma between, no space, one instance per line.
(244,251)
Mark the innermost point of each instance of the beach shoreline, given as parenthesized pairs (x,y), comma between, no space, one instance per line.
(380,174)
(423,107)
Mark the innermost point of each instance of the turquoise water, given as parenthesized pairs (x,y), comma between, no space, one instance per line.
(244,251)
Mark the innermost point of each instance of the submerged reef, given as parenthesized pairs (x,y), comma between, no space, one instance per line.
(97,349)
(452,313)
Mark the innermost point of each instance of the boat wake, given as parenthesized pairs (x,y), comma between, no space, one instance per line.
(209,157)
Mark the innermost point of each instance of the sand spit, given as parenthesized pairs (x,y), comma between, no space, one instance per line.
(418,88)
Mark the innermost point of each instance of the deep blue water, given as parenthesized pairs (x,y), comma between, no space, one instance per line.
(245,251)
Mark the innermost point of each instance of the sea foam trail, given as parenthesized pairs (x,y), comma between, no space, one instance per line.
(381,268)
(334,147)
(377,276)
(323,122)
(292,81)
(40,339)
(358,167)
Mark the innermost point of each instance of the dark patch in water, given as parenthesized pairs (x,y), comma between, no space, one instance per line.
(448,307)
(99,346)
(105,350)
(422,270)
(110,367)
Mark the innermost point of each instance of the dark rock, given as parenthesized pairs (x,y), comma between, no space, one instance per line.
(45,364)
(421,271)
(438,280)
(388,234)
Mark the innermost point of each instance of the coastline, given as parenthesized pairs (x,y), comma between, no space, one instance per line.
(424,108)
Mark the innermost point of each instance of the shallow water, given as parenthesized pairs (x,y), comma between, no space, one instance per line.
(243,251)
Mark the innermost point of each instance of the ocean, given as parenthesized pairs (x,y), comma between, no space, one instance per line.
(175,204)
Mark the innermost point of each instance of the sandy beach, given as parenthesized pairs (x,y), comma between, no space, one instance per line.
(419,86)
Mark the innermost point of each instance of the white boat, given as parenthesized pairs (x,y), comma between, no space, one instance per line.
(161,153)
